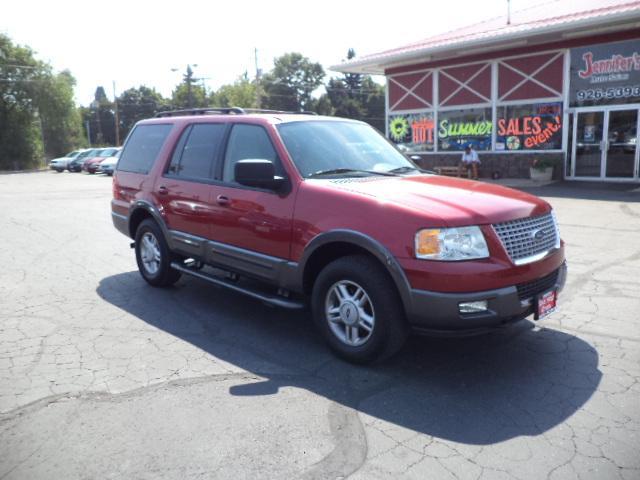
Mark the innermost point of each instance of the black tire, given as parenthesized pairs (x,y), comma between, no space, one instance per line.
(59,170)
(390,328)
(164,276)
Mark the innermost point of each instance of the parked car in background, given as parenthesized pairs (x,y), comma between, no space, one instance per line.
(92,164)
(61,163)
(108,165)
(75,165)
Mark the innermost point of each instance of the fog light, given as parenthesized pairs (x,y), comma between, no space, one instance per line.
(473,307)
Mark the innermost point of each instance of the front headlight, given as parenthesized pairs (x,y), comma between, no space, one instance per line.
(450,244)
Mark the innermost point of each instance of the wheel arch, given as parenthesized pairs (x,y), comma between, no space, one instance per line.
(332,245)
(142,210)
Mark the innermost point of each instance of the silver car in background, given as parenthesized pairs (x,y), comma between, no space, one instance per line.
(108,165)
(61,163)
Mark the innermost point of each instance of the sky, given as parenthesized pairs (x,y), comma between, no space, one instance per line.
(140,42)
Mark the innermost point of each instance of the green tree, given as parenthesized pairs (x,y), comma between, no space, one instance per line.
(373,101)
(345,104)
(289,86)
(61,121)
(185,97)
(241,93)
(357,96)
(35,105)
(100,119)
(322,105)
(136,104)
(353,81)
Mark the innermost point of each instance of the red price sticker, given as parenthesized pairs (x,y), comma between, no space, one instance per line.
(546,304)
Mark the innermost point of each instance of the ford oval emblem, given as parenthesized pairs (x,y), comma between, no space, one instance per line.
(538,235)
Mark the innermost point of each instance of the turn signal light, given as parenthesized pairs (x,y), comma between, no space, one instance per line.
(427,242)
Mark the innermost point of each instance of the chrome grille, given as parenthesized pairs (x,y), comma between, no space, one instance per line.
(529,239)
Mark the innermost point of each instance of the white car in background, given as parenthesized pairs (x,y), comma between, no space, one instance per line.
(108,165)
(60,164)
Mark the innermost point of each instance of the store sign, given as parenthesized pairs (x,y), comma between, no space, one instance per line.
(414,132)
(535,127)
(464,129)
(605,74)
(457,132)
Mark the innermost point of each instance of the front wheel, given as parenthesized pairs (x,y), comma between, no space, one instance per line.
(153,255)
(358,310)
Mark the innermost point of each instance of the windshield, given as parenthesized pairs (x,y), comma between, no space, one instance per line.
(85,154)
(107,152)
(339,148)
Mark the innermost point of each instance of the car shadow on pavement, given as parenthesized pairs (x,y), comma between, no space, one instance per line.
(481,390)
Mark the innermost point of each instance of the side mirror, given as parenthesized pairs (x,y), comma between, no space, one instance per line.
(258,173)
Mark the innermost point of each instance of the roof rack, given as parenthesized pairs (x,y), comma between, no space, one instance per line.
(202,111)
(226,111)
(287,112)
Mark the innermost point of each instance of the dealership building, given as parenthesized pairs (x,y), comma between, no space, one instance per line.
(556,84)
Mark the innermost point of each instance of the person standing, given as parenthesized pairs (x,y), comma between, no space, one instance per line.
(469,160)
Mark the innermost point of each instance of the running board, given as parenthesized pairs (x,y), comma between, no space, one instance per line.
(263,297)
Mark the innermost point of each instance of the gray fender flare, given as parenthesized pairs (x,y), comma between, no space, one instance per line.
(371,245)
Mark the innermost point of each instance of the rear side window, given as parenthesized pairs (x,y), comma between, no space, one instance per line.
(143,147)
(197,150)
(248,142)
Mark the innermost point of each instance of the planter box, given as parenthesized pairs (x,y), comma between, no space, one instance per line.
(541,175)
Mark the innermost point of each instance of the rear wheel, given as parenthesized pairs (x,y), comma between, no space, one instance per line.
(358,310)
(153,255)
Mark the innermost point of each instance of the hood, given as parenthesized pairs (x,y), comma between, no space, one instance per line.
(60,159)
(456,201)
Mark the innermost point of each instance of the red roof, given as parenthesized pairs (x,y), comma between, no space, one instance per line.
(555,15)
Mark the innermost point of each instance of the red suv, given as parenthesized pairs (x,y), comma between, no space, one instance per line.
(297,209)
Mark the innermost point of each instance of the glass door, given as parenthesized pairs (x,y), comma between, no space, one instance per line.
(589,144)
(622,138)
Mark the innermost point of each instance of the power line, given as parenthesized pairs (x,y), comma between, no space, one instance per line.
(19,66)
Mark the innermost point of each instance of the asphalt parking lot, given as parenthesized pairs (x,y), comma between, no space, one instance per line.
(102,376)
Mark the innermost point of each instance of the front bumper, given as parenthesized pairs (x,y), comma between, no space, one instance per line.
(435,312)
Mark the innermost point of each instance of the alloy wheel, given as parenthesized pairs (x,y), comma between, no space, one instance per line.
(349,313)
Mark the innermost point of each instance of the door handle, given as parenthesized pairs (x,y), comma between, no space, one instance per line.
(222,200)
(162,190)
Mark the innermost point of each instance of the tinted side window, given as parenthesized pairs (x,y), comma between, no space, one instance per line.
(248,141)
(196,158)
(143,147)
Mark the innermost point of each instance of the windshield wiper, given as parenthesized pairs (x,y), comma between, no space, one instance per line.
(337,171)
(404,169)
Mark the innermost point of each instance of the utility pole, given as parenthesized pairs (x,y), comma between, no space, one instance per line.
(508,12)
(189,78)
(88,125)
(258,90)
(44,145)
(95,105)
(117,119)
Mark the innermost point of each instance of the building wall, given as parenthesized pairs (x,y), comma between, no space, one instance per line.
(522,93)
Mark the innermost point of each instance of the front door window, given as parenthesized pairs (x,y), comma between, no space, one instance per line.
(589,134)
(605,144)
(621,144)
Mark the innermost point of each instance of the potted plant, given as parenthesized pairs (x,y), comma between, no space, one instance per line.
(541,169)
